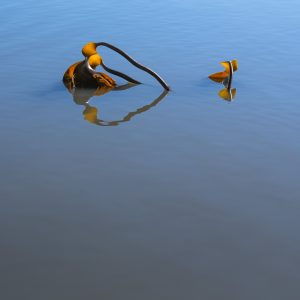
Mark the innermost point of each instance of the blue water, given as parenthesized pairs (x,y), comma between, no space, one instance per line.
(194,197)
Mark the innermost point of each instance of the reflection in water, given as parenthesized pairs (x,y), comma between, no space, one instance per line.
(227,94)
(81,96)
(225,78)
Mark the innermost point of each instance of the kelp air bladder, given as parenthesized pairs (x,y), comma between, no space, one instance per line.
(90,49)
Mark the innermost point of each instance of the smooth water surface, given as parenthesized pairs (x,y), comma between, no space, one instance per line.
(192,197)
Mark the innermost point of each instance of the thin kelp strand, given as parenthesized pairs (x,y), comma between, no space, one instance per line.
(117,73)
(136,64)
(230,75)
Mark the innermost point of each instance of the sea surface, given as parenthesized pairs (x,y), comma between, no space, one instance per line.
(179,195)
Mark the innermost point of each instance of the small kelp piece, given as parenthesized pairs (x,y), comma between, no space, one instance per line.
(221,76)
(83,73)
(225,78)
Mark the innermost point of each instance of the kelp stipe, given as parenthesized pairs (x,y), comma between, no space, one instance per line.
(136,64)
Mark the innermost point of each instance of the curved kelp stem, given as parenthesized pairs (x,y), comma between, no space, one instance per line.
(117,73)
(130,115)
(136,64)
(230,75)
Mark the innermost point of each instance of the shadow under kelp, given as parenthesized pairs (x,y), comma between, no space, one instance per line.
(82,96)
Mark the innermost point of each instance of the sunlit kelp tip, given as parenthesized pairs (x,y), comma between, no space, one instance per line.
(95,60)
(221,76)
(218,77)
(234,64)
(89,49)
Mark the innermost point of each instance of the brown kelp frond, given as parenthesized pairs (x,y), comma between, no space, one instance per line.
(104,79)
(68,77)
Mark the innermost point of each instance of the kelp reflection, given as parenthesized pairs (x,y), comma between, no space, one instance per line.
(225,78)
(81,96)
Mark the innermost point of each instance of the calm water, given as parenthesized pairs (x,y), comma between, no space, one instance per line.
(194,197)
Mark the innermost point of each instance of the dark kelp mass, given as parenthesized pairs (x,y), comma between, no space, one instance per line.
(83,74)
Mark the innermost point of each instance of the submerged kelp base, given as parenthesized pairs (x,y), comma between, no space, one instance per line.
(225,78)
(83,73)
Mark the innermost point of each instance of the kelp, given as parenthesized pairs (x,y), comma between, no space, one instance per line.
(83,73)
(82,96)
(84,82)
(225,77)
(230,67)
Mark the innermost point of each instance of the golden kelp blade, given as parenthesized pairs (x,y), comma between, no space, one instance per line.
(68,78)
(218,77)
(103,79)
(70,72)
(227,94)
(234,64)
